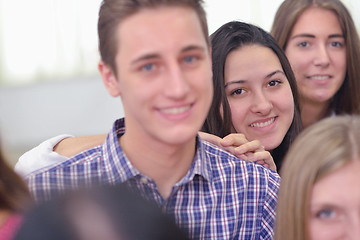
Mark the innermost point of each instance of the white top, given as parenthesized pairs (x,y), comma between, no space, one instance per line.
(40,156)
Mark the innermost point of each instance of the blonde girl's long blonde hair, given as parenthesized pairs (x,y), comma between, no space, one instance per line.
(319,150)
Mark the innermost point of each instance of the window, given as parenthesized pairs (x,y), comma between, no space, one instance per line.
(47,39)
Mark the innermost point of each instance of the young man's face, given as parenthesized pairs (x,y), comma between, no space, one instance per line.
(164,74)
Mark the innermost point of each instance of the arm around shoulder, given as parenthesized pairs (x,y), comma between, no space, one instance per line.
(72,146)
(40,156)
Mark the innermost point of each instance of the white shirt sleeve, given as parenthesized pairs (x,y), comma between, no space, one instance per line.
(40,156)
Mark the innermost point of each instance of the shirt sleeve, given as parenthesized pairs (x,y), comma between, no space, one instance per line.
(40,156)
(270,204)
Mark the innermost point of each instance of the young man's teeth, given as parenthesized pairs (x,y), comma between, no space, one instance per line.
(263,124)
(175,110)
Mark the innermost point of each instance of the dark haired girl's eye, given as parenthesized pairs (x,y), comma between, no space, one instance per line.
(238,91)
(274,83)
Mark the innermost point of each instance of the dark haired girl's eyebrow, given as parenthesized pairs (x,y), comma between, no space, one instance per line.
(234,82)
(244,81)
(274,72)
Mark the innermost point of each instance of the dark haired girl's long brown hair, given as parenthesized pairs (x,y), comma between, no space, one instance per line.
(14,194)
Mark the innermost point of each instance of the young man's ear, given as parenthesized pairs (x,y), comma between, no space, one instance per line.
(109,79)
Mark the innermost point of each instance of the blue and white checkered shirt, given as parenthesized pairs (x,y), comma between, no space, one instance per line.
(220,197)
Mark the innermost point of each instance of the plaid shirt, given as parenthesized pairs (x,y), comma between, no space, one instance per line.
(220,197)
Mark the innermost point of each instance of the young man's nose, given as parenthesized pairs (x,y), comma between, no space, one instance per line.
(176,84)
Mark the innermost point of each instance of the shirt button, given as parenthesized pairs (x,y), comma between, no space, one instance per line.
(144,180)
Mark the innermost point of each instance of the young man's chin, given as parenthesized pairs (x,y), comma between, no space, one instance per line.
(178,136)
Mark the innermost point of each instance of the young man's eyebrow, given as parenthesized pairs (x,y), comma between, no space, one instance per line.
(193,47)
(156,55)
(145,57)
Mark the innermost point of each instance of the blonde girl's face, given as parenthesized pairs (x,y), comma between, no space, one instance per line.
(316,50)
(335,205)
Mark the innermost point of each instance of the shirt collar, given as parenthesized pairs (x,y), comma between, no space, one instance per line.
(115,158)
(201,164)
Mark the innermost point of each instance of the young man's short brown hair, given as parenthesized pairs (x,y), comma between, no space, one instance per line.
(112,12)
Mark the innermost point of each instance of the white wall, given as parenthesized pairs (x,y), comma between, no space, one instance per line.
(32,113)
(258,12)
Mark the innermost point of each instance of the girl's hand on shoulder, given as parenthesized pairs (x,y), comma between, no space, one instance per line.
(248,150)
(238,145)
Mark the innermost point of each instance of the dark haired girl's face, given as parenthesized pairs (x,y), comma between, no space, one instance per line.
(259,95)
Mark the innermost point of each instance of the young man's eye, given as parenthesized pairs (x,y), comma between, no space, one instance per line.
(148,67)
(273,83)
(189,59)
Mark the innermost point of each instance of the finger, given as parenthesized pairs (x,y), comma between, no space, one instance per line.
(233,139)
(230,149)
(247,157)
(242,156)
(263,158)
(252,146)
(265,165)
(266,157)
(210,138)
(261,162)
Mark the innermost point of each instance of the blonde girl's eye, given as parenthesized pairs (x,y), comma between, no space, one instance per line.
(326,214)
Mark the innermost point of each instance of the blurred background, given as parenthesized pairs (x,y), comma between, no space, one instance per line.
(49,84)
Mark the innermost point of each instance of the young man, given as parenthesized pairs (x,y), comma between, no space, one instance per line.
(156,57)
